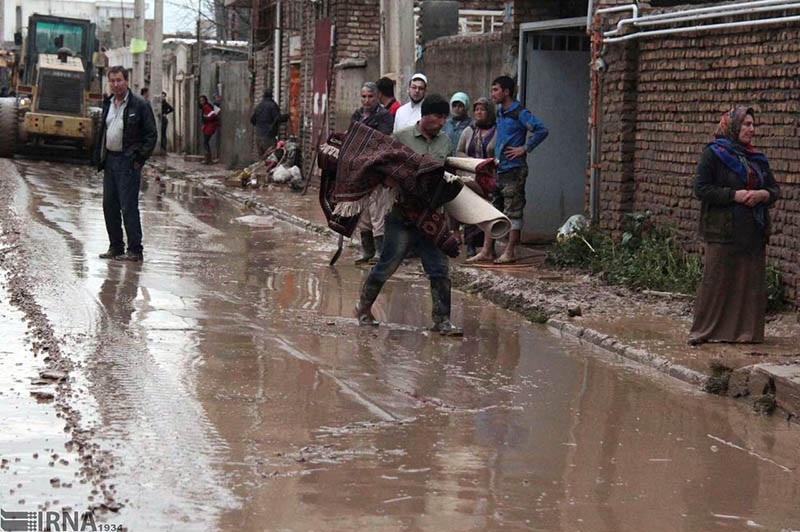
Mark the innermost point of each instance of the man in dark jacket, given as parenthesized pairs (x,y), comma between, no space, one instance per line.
(166,109)
(266,118)
(370,223)
(125,139)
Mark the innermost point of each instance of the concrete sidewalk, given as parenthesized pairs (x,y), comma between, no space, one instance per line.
(650,328)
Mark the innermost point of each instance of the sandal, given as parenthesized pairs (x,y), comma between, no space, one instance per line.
(477,259)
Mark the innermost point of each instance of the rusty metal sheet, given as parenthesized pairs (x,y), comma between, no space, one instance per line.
(323,40)
(294,100)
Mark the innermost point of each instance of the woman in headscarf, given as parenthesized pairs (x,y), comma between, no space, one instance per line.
(735,186)
(458,121)
(210,122)
(478,141)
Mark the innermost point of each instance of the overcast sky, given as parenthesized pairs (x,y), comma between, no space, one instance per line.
(179,15)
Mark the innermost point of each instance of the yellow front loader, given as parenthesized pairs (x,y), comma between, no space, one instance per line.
(53,105)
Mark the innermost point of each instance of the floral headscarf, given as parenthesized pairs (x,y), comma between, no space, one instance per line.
(731,123)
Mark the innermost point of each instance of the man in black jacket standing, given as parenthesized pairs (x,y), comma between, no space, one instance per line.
(125,139)
(166,109)
(266,118)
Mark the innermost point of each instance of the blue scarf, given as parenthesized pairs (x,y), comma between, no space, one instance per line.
(741,160)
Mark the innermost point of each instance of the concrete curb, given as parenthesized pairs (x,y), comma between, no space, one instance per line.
(642,356)
(584,334)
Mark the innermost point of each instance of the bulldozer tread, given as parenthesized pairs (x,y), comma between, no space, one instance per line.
(9,127)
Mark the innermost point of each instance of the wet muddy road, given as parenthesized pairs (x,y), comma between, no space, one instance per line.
(223,385)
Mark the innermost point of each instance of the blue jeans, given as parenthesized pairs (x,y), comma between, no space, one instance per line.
(121,202)
(399,237)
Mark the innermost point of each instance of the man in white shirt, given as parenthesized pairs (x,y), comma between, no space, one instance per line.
(125,139)
(410,113)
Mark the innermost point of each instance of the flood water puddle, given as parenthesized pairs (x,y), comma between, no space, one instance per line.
(237,392)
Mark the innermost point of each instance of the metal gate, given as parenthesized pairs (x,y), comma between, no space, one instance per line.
(554,86)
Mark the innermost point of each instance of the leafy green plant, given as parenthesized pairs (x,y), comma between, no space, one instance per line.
(765,404)
(647,257)
(583,250)
(717,382)
(775,293)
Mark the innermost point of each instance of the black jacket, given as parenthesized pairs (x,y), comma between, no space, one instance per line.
(379,119)
(721,219)
(267,117)
(139,132)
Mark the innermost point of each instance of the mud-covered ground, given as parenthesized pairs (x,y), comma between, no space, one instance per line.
(224,385)
(41,373)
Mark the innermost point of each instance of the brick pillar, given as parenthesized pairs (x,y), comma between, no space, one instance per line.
(618,133)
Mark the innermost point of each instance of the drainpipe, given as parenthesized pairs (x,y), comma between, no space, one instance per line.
(594,161)
(647,21)
(276,67)
(724,25)
(692,15)
(633,8)
(382,43)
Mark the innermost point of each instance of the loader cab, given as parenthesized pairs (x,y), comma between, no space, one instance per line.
(49,34)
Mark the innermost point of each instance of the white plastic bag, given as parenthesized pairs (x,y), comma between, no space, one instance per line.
(573,224)
(297,181)
(281,174)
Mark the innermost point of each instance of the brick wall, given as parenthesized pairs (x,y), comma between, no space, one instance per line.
(357,25)
(357,29)
(446,58)
(662,98)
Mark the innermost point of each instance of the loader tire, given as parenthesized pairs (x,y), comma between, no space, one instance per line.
(9,128)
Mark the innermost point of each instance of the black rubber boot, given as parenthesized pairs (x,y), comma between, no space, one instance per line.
(378,250)
(369,293)
(440,295)
(446,328)
(367,247)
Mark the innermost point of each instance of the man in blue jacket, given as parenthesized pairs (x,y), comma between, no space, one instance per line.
(514,123)
(125,139)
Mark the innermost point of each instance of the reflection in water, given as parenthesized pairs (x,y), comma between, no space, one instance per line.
(118,291)
(232,354)
(142,376)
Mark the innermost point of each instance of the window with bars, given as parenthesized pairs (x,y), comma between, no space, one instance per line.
(560,41)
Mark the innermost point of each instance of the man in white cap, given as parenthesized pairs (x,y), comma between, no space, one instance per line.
(408,114)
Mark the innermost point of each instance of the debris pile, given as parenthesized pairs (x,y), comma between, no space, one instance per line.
(280,166)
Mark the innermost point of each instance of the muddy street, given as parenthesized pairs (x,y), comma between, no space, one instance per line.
(222,384)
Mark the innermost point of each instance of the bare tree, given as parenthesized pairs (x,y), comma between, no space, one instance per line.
(216,20)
